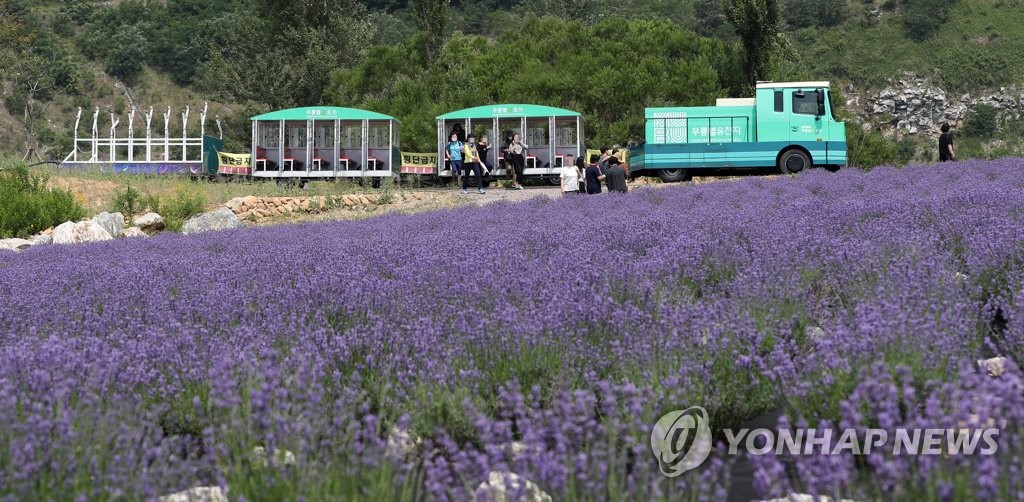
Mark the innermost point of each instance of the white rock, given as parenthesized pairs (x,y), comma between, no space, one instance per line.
(197,494)
(149,223)
(814,333)
(15,244)
(281,456)
(803,497)
(995,366)
(131,232)
(401,444)
(221,219)
(41,239)
(113,223)
(508,486)
(83,231)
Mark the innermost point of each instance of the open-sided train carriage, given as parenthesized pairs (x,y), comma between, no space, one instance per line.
(534,123)
(324,142)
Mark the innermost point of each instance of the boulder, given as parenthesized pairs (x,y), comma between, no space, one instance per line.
(995,366)
(132,232)
(509,486)
(149,223)
(803,497)
(197,494)
(281,456)
(113,223)
(15,244)
(41,239)
(401,444)
(221,219)
(83,231)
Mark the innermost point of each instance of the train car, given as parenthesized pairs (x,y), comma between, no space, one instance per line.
(551,133)
(324,142)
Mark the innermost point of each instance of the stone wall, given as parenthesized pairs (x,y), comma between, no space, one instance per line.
(258,208)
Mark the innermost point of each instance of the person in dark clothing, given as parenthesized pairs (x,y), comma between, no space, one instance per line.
(594,176)
(616,176)
(582,166)
(482,149)
(946,145)
(459,132)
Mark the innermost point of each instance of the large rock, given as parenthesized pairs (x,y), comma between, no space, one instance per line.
(149,223)
(132,232)
(113,223)
(281,457)
(509,486)
(15,244)
(197,494)
(995,366)
(221,219)
(83,231)
(41,239)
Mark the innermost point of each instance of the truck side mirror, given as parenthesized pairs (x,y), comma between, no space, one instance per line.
(821,103)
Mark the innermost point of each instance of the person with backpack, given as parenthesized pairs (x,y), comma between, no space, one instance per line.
(615,176)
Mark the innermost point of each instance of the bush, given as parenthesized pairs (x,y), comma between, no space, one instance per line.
(868,149)
(181,206)
(922,18)
(981,122)
(28,207)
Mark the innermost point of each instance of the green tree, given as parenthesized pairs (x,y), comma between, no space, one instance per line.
(431,18)
(922,18)
(982,122)
(804,14)
(759,25)
(127,54)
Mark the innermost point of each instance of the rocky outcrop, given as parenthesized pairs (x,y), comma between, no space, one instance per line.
(77,233)
(132,232)
(915,105)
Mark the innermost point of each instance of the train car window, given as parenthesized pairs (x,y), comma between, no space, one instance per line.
(779,101)
(271,136)
(805,103)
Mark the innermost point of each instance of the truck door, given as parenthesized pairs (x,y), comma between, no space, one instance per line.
(807,122)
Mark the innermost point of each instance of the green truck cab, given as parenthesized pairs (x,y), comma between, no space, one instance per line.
(790,126)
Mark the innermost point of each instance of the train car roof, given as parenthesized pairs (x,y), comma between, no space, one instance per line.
(508,110)
(323,113)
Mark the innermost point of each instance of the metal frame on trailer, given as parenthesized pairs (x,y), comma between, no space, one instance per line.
(496,113)
(162,155)
(368,167)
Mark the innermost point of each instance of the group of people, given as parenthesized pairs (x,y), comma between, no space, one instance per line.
(608,167)
(465,153)
(467,156)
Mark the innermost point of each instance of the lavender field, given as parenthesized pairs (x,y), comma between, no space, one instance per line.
(409,357)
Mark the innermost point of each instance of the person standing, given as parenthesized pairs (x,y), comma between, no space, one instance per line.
(594,176)
(570,177)
(616,176)
(471,161)
(517,151)
(454,154)
(946,152)
(482,149)
(581,167)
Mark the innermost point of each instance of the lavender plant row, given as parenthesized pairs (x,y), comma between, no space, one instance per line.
(542,338)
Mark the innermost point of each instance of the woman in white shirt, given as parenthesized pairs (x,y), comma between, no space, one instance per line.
(570,177)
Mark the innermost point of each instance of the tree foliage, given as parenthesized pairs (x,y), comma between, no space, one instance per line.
(759,25)
(597,70)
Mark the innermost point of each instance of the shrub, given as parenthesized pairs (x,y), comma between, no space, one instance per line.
(27,206)
(981,122)
(181,206)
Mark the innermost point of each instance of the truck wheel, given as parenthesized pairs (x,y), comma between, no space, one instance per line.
(555,180)
(793,161)
(673,175)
